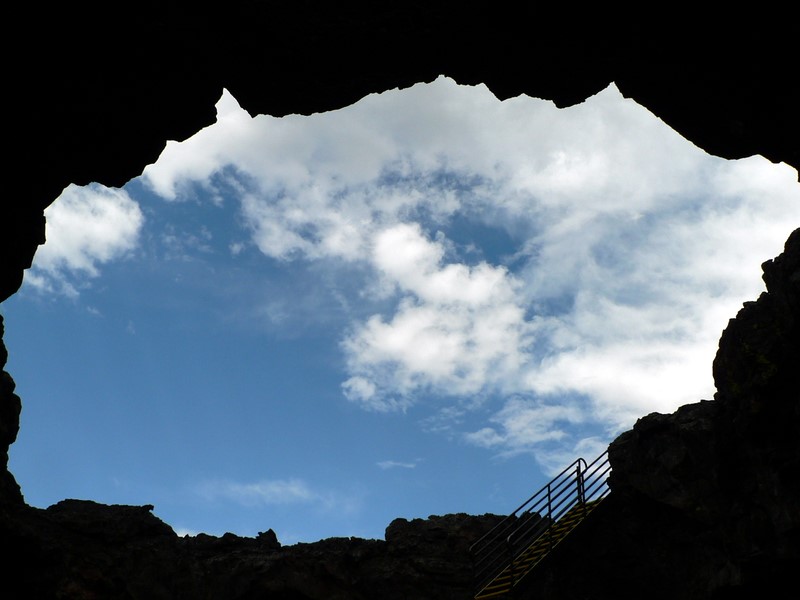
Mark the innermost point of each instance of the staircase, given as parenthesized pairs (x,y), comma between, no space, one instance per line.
(506,554)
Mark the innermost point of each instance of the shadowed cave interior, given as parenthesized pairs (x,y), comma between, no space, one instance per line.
(721,526)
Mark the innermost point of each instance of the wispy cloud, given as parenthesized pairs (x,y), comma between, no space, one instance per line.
(289,491)
(279,492)
(185,245)
(394,464)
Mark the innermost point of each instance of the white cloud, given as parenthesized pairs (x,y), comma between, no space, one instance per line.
(457,329)
(393,464)
(270,492)
(85,227)
(265,492)
(633,247)
(525,422)
(553,459)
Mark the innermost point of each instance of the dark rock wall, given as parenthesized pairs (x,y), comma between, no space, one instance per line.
(10,407)
(704,500)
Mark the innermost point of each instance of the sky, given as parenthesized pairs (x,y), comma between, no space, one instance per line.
(428,302)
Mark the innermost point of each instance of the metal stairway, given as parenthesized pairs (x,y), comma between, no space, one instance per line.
(502,557)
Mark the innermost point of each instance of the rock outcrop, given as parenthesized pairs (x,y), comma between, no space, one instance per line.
(10,408)
(704,501)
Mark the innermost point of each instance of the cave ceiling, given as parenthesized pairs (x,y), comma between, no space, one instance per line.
(93,95)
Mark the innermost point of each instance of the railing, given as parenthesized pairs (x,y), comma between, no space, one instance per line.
(578,484)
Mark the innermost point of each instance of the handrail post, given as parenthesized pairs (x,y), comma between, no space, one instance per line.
(511,561)
(550,521)
(549,505)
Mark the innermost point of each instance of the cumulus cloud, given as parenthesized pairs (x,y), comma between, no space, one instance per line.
(456,329)
(85,228)
(627,248)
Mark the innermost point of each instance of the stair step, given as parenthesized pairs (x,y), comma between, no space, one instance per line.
(493,593)
(539,548)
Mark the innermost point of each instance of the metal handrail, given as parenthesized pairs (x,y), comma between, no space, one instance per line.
(510,518)
(578,483)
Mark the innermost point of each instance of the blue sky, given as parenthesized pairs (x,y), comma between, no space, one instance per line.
(427,302)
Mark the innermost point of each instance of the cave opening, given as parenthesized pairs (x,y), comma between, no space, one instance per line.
(466,294)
